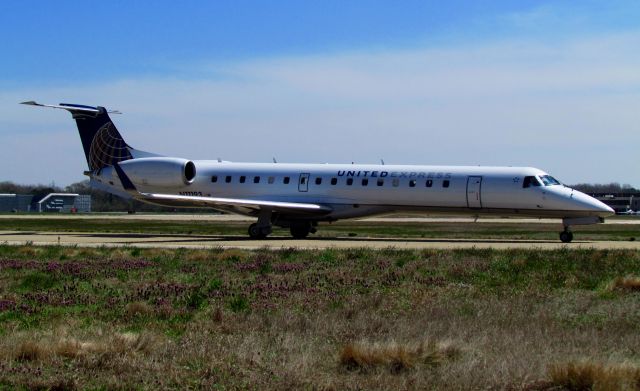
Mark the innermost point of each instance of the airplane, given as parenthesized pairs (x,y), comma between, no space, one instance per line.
(299,196)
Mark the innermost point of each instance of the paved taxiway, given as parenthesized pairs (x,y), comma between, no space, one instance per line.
(225,241)
(95,239)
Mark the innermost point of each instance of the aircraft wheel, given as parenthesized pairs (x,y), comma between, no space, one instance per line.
(566,236)
(255,232)
(300,231)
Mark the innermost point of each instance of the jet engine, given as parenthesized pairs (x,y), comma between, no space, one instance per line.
(164,172)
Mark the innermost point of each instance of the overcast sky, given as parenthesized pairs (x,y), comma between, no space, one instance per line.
(551,85)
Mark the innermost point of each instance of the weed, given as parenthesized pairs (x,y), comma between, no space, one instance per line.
(239,304)
(195,300)
(215,284)
(37,282)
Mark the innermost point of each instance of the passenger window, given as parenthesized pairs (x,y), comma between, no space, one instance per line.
(214,179)
(395,182)
(365,182)
(412,183)
(334,181)
(429,183)
(445,183)
(285,180)
(243,178)
(318,181)
(349,181)
(256,179)
(227,179)
(530,181)
(380,182)
(271,179)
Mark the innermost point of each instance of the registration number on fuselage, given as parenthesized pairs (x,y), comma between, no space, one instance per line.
(191,193)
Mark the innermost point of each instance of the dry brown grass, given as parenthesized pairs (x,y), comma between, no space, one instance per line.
(366,356)
(233,254)
(629,283)
(31,351)
(594,376)
(28,251)
(138,309)
(31,348)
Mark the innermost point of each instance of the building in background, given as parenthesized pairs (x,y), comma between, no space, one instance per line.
(620,202)
(53,202)
(15,202)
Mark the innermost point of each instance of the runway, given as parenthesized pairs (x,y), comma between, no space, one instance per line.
(96,239)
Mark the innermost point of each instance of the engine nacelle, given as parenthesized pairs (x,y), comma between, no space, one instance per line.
(159,171)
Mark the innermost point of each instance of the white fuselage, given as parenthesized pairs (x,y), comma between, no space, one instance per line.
(353,190)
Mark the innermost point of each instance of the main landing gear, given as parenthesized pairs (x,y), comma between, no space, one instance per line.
(566,236)
(262,228)
(302,229)
(259,232)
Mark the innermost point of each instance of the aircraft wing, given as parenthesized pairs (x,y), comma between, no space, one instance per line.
(234,205)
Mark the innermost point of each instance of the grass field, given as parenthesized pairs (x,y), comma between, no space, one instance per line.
(348,228)
(129,318)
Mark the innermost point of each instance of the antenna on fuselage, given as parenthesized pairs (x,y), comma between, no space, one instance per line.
(382,161)
(274,160)
(219,160)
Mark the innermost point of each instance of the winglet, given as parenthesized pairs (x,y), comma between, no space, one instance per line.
(126,182)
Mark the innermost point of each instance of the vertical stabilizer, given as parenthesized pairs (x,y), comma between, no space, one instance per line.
(103,145)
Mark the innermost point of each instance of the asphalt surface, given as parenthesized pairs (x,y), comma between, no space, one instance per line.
(96,239)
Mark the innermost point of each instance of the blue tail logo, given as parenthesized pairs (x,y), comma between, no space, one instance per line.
(107,148)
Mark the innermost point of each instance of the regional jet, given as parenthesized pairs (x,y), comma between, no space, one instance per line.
(299,196)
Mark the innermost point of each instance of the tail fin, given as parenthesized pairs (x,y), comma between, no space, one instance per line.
(103,145)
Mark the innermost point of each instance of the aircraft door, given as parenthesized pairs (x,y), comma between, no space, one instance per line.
(474,185)
(303,182)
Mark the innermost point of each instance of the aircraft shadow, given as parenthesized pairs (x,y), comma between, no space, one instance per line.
(187,238)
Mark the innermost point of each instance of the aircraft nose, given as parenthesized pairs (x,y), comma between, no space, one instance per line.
(592,204)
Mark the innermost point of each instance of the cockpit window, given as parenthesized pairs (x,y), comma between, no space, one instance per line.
(548,180)
(530,181)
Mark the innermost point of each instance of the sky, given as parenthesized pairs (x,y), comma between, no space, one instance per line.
(553,85)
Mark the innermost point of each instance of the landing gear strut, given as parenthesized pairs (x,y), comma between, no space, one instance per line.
(566,236)
(262,228)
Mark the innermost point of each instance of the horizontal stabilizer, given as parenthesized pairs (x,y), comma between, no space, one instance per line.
(70,107)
